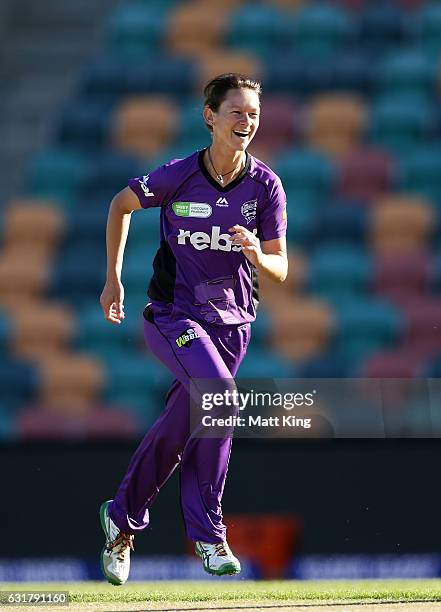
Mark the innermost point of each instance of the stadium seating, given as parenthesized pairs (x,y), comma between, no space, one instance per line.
(322,29)
(335,123)
(401,224)
(142,126)
(400,123)
(350,121)
(407,72)
(365,173)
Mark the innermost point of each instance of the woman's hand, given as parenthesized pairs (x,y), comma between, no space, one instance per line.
(112,301)
(249,242)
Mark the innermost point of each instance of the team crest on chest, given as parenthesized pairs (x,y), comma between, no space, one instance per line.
(249,210)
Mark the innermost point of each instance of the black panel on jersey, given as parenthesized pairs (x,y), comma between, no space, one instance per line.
(162,285)
(255,281)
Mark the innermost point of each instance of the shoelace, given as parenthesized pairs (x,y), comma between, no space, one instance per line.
(221,550)
(125,542)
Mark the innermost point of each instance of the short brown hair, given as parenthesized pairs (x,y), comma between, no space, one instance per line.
(216,89)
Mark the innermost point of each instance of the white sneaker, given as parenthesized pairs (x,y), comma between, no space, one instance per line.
(115,556)
(217,558)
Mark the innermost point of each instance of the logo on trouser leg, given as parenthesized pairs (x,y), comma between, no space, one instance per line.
(187,338)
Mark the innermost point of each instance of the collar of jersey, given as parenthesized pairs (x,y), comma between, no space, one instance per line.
(215,184)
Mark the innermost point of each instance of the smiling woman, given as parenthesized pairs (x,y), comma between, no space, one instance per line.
(223,222)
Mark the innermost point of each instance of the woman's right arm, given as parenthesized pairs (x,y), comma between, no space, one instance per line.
(118,223)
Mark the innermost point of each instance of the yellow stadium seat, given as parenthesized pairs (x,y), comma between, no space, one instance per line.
(23,276)
(217,62)
(40,329)
(401,223)
(335,123)
(196,27)
(70,382)
(144,125)
(32,222)
(301,328)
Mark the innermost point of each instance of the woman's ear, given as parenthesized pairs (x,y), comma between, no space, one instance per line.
(208,116)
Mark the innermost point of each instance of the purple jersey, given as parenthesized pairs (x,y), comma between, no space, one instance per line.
(197,268)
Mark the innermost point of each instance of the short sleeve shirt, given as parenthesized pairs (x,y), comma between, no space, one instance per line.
(197,268)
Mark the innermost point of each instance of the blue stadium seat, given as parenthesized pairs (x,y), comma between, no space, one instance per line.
(329,364)
(339,221)
(192,132)
(57,174)
(136,29)
(19,382)
(5,331)
(289,73)
(339,270)
(260,28)
(110,172)
(428,28)
(83,126)
(407,72)
(303,212)
(144,232)
(138,381)
(137,269)
(306,173)
(355,71)
(265,363)
(383,26)
(111,77)
(322,29)
(399,123)
(420,171)
(365,327)
(79,273)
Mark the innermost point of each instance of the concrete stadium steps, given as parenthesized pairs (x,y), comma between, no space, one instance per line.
(42,49)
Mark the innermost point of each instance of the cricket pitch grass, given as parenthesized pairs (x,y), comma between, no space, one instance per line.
(268,596)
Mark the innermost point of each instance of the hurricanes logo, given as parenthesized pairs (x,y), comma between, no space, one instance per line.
(187,338)
(249,210)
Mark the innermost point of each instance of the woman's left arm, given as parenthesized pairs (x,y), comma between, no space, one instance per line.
(269,256)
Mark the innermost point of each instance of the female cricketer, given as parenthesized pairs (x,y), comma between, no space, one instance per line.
(223,222)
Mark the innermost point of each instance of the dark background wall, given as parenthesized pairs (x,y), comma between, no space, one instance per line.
(353,495)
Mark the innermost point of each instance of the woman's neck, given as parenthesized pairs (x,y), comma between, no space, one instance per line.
(220,162)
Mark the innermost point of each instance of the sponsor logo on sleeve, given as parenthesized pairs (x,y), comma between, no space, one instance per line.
(187,338)
(143,182)
(249,210)
(192,209)
(285,213)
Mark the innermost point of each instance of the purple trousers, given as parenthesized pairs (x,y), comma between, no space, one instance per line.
(188,350)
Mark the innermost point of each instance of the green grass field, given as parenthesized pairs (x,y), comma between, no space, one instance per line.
(218,593)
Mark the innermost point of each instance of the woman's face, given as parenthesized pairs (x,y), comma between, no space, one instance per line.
(236,122)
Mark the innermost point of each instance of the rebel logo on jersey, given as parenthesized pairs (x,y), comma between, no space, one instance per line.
(215,242)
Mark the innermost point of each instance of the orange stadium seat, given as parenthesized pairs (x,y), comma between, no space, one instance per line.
(197,27)
(41,329)
(401,223)
(218,61)
(32,224)
(144,125)
(301,328)
(364,174)
(71,382)
(335,123)
(23,276)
